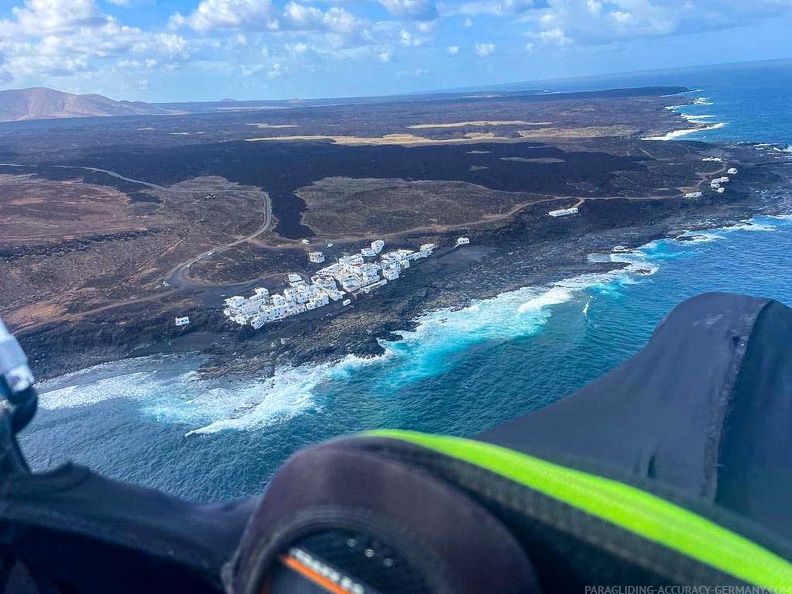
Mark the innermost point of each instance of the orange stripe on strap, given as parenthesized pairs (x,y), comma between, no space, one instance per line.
(310,574)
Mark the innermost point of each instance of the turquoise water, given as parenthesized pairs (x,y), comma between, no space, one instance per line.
(152,421)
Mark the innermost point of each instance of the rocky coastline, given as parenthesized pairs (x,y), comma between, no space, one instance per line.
(530,250)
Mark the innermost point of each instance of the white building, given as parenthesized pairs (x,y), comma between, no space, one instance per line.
(184,321)
(352,260)
(732,171)
(316,257)
(693,195)
(462,241)
(563,212)
(235,301)
(349,282)
(352,273)
(391,272)
(721,190)
(371,287)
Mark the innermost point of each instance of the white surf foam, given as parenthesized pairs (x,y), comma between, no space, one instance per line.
(698,237)
(128,385)
(178,396)
(750,226)
(697,118)
(687,131)
(248,406)
(427,351)
(554,296)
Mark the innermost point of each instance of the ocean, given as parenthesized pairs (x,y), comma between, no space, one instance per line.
(153,422)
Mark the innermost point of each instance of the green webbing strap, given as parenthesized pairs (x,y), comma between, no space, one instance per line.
(628,507)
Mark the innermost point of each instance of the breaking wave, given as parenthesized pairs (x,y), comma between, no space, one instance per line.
(167,389)
(674,134)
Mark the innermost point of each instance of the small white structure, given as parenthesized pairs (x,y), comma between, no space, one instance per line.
(732,171)
(391,272)
(359,272)
(305,241)
(184,321)
(371,287)
(463,241)
(563,212)
(720,190)
(713,159)
(693,195)
(235,301)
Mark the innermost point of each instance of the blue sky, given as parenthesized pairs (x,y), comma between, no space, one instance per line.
(174,50)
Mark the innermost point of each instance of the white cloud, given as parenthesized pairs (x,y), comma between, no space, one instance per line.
(407,39)
(303,17)
(43,39)
(489,7)
(53,38)
(554,36)
(587,22)
(423,10)
(485,49)
(254,15)
(297,49)
(39,17)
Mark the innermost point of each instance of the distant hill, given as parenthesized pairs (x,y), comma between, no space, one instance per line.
(42,104)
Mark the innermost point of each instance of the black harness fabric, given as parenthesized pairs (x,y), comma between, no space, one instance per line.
(705,408)
(93,534)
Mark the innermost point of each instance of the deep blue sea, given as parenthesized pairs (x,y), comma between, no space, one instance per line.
(153,422)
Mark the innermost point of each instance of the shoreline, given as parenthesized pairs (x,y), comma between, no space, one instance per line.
(500,261)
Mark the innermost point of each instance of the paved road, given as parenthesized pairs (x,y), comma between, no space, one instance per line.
(177,278)
(119,176)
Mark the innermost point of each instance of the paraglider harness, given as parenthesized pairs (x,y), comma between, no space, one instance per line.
(672,471)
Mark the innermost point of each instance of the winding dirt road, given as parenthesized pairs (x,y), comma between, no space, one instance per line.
(177,278)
